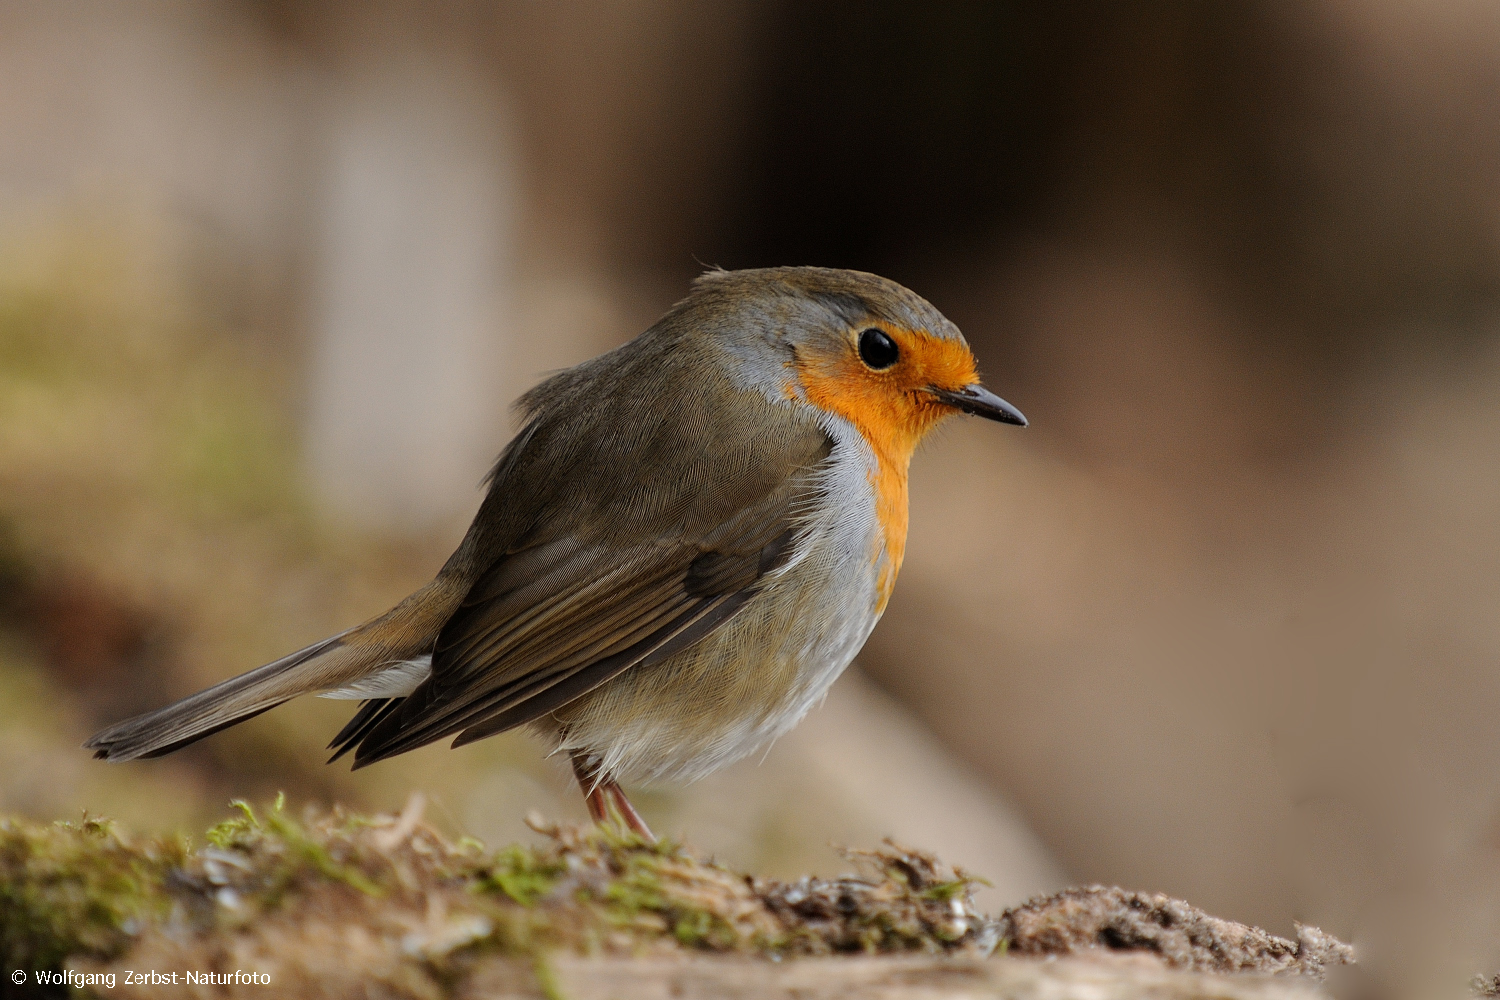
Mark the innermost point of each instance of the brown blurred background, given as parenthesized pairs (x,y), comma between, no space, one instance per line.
(1224,622)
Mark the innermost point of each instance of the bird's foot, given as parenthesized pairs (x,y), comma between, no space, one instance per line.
(606,800)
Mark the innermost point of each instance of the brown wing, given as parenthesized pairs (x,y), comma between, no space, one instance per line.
(639,510)
(551,622)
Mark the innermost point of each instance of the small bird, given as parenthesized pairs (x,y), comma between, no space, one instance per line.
(690,538)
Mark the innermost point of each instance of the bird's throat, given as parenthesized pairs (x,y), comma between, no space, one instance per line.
(892,437)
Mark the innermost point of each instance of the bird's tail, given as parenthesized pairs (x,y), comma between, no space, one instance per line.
(406,631)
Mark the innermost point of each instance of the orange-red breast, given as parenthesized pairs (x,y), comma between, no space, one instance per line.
(689,540)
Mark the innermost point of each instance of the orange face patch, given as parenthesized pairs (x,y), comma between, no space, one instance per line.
(892,411)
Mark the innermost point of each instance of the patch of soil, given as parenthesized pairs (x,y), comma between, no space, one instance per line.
(1181,935)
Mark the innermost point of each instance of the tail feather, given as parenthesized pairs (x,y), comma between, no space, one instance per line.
(207,712)
(162,751)
(337,665)
(370,715)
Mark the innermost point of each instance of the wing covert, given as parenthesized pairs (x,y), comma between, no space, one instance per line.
(551,621)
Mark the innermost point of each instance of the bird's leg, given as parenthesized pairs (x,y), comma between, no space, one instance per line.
(585,769)
(627,811)
(604,795)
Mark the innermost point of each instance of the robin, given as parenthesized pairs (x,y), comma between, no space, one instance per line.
(688,541)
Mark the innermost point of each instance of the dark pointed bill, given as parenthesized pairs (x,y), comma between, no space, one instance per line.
(978,400)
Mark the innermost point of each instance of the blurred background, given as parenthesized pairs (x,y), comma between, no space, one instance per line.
(1223,623)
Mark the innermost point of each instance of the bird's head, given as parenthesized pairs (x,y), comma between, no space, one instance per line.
(859,346)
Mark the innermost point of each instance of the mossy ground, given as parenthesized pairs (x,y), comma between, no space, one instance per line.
(421,907)
(328,895)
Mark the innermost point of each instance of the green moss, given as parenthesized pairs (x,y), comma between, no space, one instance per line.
(81,891)
(520,874)
(944,891)
(236,831)
(644,883)
(294,850)
(78,889)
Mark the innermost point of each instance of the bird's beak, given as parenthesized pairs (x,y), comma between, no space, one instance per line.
(978,400)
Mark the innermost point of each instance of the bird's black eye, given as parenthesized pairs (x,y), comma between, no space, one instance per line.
(877,349)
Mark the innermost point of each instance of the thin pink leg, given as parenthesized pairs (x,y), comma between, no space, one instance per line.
(604,795)
(627,811)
